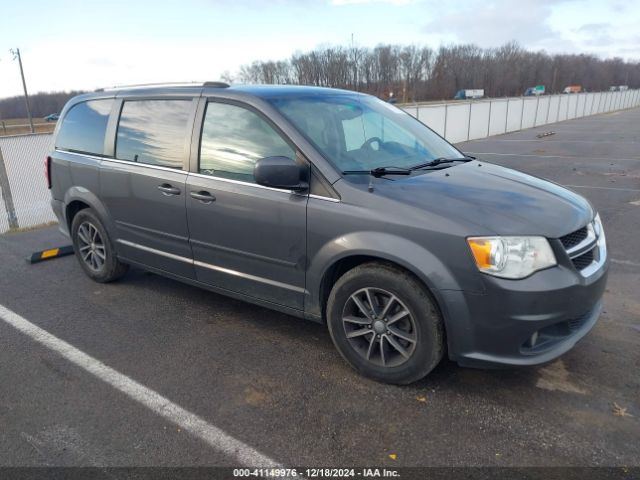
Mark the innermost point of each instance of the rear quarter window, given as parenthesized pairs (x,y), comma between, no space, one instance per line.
(83,127)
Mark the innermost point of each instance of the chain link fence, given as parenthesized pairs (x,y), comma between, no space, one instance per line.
(25,198)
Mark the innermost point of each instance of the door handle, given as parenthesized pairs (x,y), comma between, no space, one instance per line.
(168,189)
(203,196)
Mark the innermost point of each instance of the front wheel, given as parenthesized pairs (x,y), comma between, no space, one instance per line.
(384,323)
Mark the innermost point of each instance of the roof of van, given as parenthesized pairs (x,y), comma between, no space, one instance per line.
(264,91)
(288,90)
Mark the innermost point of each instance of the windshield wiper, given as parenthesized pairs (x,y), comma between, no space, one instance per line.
(440,161)
(380,171)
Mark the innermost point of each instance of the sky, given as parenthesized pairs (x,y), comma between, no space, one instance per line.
(89,44)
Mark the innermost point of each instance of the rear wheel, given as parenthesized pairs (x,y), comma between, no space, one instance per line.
(384,323)
(93,248)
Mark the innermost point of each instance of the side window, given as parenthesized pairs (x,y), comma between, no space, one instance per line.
(233,139)
(84,126)
(153,132)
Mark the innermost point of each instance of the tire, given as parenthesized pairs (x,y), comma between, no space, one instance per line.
(411,324)
(94,249)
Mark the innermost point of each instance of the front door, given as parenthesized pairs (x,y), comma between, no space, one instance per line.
(144,186)
(245,238)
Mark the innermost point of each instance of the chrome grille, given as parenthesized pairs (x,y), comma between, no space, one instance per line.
(584,248)
(583,261)
(574,238)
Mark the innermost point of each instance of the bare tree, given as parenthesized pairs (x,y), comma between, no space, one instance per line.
(411,72)
(415,73)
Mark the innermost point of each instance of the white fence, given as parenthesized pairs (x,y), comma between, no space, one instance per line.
(25,198)
(474,119)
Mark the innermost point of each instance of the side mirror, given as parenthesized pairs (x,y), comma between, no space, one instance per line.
(279,172)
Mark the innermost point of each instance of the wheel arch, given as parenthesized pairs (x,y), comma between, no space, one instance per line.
(77,199)
(346,253)
(72,209)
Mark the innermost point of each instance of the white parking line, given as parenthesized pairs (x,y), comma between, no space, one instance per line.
(625,262)
(574,157)
(605,188)
(547,140)
(160,405)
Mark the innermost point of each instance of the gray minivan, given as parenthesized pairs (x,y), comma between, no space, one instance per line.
(332,206)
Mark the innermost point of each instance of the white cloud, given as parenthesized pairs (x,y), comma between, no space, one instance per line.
(557,26)
(94,63)
(148,51)
(361,2)
(495,23)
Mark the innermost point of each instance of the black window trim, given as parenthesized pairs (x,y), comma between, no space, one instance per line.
(82,152)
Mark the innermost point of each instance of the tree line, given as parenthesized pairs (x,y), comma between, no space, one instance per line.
(412,73)
(415,73)
(41,104)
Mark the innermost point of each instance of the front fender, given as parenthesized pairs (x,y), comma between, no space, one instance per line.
(406,253)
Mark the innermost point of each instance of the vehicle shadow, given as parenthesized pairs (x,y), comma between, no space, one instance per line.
(216,310)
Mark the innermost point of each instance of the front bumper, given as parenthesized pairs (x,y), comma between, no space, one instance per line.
(499,327)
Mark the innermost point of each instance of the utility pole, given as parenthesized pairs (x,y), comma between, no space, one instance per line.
(16,54)
(7,198)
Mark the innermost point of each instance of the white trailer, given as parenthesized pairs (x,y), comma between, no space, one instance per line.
(466,94)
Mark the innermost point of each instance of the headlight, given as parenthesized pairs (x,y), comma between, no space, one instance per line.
(597,227)
(511,257)
(602,240)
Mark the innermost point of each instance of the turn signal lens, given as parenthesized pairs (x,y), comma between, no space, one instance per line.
(511,257)
(481,250)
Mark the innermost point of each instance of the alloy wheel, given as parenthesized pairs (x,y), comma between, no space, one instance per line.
(91,246)
(380,327)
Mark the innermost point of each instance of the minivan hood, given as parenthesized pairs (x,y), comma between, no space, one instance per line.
(492,199)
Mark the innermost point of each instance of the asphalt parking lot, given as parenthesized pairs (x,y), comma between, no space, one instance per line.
(276,384)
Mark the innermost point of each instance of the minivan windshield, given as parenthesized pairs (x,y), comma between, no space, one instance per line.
(359,132)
